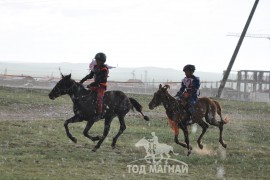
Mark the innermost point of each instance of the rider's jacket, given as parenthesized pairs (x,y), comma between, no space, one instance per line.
(100,75)
(190,85)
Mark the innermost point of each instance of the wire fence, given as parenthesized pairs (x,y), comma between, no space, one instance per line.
(208,88)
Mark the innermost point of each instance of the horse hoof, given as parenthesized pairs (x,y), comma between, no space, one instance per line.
(200,146)
(224,145)
(113,146)
(74,140)
(189,152)
(94,150)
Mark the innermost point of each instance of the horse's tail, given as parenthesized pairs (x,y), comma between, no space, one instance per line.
(226,119)
(138,107)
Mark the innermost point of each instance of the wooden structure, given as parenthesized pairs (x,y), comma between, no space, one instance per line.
(257,80)
(251,81)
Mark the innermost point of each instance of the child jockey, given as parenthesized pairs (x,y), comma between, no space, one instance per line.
(100,74)
(189,88)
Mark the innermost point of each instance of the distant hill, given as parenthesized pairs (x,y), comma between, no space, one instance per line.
(160,74)
(79,70)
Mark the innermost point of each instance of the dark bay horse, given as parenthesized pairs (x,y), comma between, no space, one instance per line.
(115,103)
(205,108)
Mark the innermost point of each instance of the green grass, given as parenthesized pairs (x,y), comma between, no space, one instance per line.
(10,96)
(39,149)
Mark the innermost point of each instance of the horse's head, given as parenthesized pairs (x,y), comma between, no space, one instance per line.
(141,142)
(64,86)
(159,96)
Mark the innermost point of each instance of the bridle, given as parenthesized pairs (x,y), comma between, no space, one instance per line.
(65,90)
(162,95)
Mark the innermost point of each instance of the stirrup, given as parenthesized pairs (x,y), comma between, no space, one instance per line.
(189,122)
(97,117)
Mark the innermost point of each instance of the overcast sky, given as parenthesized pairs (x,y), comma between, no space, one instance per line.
(135,33)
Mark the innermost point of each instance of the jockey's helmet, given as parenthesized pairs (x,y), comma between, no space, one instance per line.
(189,67)
(100,56)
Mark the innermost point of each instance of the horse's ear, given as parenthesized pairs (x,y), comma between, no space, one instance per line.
(68,76)
(160,86)
(167,86)
(61,73)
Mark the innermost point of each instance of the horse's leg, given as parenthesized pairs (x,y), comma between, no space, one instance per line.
(220,134)
(121,130)
(185,131)
(219,124)
(86,129)
(175,129)
(153,157)
(161,158)
(204,128)
(107,125)
(74,119)
(146,158)
(168,157)
(176,140)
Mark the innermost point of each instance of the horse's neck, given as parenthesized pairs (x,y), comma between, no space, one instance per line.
(169,103)
(78,92)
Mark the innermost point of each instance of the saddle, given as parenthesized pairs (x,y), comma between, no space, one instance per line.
(184,102)
(99,94)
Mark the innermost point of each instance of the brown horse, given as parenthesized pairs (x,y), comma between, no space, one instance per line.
(176,112)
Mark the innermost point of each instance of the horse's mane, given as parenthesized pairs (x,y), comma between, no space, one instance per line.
(81,86)
(166,87)
(171,97)
(174,103)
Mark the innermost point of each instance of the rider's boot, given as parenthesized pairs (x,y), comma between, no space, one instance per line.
(191,111)
(97,117)
(100,113)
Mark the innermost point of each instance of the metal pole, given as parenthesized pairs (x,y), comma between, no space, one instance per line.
(226,75)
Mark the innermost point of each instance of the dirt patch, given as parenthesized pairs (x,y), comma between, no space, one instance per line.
(205,151)
(35,112)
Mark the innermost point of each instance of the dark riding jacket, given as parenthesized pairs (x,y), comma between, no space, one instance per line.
(190,85)
(100,75)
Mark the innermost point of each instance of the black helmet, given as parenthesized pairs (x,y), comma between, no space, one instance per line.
(189,67)
(101,56)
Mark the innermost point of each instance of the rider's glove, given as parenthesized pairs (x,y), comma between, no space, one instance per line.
(178,96)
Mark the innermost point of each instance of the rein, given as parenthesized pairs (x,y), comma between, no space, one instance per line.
(81,96)
(89,92)
(67,90)
(176,106)
(175,103)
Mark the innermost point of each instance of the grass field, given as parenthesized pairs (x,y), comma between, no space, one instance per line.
(33,143)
